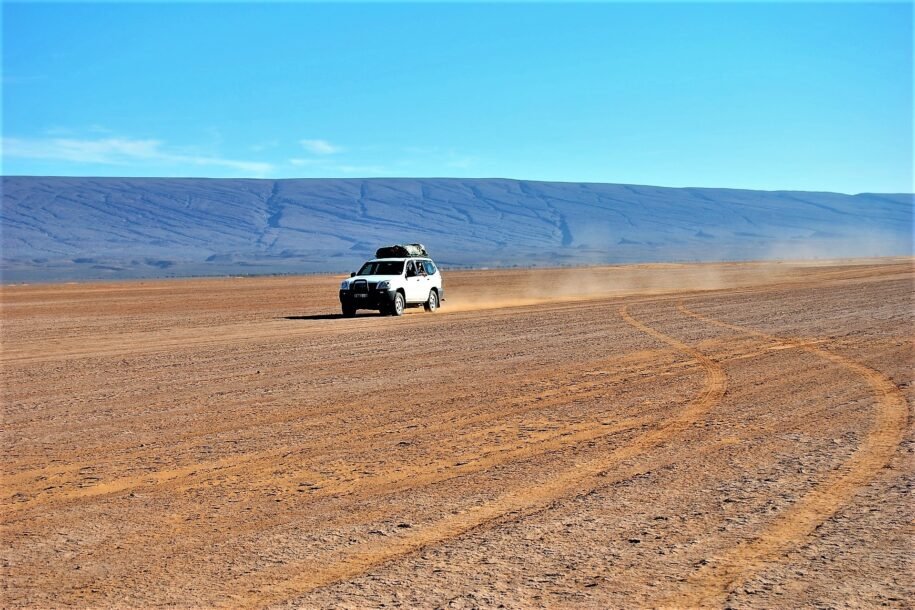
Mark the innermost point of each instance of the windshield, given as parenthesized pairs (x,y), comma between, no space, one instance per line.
(382,268)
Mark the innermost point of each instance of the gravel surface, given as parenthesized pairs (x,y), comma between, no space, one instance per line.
(715,435)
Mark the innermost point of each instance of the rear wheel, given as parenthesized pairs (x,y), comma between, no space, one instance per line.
(398,305)
(432,304)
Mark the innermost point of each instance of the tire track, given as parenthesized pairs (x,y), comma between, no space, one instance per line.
(298,579)
(313,408)
(251,463)
(410,479)
(556,439)
(711,585)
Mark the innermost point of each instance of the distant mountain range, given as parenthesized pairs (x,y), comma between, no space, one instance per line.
(80,228)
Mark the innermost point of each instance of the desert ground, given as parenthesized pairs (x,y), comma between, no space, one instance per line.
(703,435)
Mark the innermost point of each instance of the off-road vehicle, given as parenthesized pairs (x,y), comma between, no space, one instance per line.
(398,277)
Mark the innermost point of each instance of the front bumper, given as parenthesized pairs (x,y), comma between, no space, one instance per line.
(374,299)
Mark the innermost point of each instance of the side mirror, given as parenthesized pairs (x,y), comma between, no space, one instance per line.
(352,274)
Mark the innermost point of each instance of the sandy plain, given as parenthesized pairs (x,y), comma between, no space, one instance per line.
(718,435)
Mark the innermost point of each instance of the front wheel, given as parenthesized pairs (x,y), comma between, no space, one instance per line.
(398,305)
(349,312)
(432,304)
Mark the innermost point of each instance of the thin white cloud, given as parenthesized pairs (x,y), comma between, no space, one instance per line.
(320,147)
(119,151)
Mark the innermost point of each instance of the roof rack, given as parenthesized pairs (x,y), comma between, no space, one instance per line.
(401,251)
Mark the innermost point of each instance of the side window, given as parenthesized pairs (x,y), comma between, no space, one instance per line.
(430,267)
(410,270)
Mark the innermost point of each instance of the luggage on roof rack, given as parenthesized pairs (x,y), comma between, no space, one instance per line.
(401,251)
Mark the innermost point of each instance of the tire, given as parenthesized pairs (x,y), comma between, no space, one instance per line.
(432,304)
(349,312)
(398,305)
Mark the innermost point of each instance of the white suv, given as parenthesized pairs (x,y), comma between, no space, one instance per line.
(390,285)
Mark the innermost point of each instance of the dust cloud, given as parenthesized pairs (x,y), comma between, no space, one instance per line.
(518,288)
(863,243)
(493,289)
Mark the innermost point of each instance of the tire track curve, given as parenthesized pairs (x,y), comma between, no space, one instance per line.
(265,461)
(298,579)
(711,585)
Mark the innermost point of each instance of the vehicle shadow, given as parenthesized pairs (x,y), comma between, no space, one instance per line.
(331,316)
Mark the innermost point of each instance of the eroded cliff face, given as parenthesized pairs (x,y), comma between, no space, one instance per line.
(73,228)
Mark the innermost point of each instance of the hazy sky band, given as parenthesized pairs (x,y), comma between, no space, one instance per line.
(771,96)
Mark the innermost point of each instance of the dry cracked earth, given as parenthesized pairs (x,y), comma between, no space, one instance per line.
(720,435)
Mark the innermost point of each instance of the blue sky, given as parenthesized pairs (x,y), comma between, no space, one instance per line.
(768,96)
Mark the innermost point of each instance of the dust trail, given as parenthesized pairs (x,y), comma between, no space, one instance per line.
(518,288)
(710,586)
(504,288)
(514,288)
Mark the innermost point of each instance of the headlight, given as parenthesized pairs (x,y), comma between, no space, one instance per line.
(344,285)
(383,285)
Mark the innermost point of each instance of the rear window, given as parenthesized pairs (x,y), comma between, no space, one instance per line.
(382,268)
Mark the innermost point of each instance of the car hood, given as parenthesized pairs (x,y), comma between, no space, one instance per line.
(374,278)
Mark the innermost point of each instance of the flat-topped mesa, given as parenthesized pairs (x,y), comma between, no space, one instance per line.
(66,229)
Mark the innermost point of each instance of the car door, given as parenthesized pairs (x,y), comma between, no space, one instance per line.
(415,284)
(433,279)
